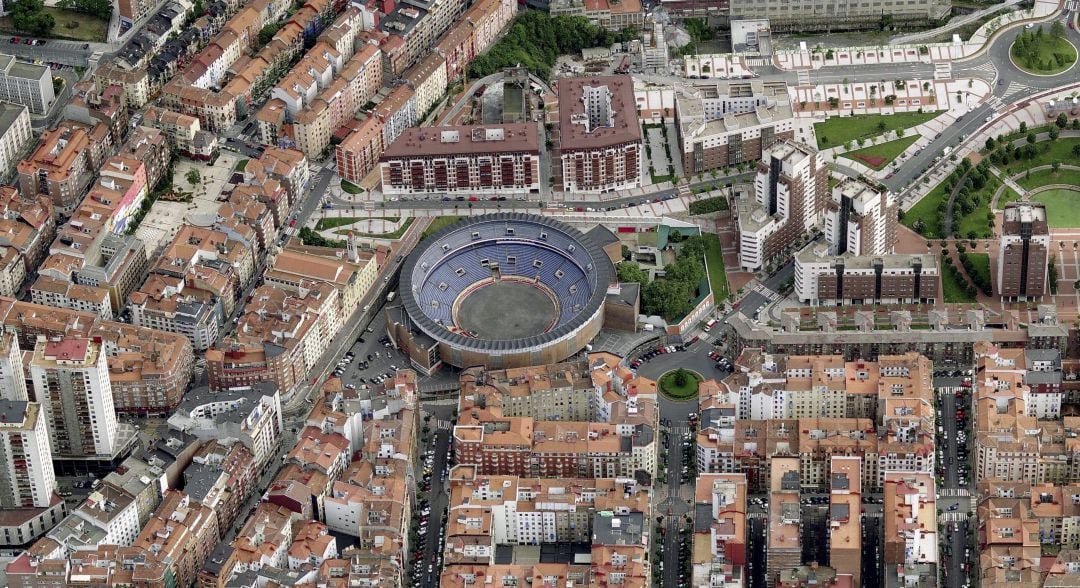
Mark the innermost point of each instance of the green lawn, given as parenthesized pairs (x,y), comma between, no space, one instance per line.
(1045,55)
(394,235)
(981,264)
(1044,177)
(1060,150)
(714,259)
(685,392)
(953,290)
(1062,207)
(439,223)
(70,25)
(927,210)
(975,221)
(350,187)
(838,130)
(241,165)
(878,156)
(1009,195)
(326,224)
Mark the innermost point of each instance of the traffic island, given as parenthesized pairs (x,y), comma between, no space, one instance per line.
(680,384)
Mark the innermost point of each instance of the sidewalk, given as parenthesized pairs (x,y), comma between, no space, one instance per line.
(953,23)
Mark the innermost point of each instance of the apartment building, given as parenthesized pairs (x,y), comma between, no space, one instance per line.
(730,123)
(28,480)
(824,279)
(860,219)
(720,544)
(179,536)
(788,199)
(73,373)
(428,81)
(352,275)
(612,15)
(27,224)
(477,159)
(15,135)
(12,373)
(27,84)
(600,148)
(784,545)
(250,414)
(50,291)
(185,133)
(149,370)
(845,519)
(164,303)
(336,104)
(806,16)
(87,254)
(1022,268)
(210,262)
(59,168)
(911,541)
(134,83)
(358,154)
(414,28)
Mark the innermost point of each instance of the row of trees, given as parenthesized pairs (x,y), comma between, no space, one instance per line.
(673,296)
(536,40)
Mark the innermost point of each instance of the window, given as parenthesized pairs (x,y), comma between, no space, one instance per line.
(460,271)
(537,263)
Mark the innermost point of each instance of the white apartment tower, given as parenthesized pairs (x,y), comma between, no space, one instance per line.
(71,381)
(860,220)
(27,479)
(12,377)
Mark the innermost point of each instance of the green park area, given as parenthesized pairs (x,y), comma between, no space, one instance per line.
(350,187)
(880,155)
(978,266)
(714,259)
(326,224)
(680,384)
(1047,177)
(953,286)
(1038,52)
(925,217)
(839,130)
(1062,207)
(31,17)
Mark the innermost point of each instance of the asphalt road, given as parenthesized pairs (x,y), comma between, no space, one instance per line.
(426,562)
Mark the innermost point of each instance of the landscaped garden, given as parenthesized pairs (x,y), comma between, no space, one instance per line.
(326,224)
(878,156)
(714,259)
(1046,177)
(1038,52)
(925,217)
(680,384)
(51,22)
(839,130)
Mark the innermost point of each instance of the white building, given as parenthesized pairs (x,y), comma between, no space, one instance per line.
(26,469)
(252,415)
(27,84)
(860,219)
(788,198)
(71,381)
(112,510)
(15,133)
(12,376)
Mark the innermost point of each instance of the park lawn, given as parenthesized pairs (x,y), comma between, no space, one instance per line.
(980,263)
(70,25)
(1009,195)
(878,156)
(1062,208)
(975,221)
(439,223)
(394,235)
(326,224)
(838,130)
(1045,177)
(1060,150)
(241,165)
(350,187)
(714,259)
(687,392)
(927,210)
(954,291)
(1048,46)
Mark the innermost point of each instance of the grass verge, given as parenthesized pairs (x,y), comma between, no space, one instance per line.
(714,259)
(927,211)
(70,25)
(839,130)
(878,156)
(1062,211)
(953,289)
(439,223)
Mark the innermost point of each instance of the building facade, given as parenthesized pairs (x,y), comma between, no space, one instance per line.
(1022,268)
(600,147)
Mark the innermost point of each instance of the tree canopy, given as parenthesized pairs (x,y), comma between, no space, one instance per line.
(536,40)
(673,296)
(99,8)
(29,16)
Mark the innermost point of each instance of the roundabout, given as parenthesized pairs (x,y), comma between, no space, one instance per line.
(680,384)
(1042,54)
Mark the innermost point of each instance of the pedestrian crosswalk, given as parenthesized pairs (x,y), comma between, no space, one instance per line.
(682,430)
(953,492)
(755,61)
(995,102)
(1013,88)
(987,67)
(445,425)
(953,516)
(767,293)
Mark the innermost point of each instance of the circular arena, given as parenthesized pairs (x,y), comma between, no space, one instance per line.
(506,290)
